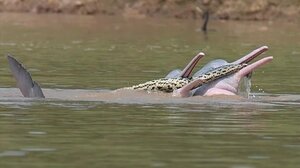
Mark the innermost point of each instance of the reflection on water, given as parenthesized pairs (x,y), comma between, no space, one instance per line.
(79,57)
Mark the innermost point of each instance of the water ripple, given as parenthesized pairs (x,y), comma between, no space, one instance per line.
(13,153)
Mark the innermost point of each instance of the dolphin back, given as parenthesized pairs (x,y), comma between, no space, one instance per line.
(210,66)
(174,74)
(27,86)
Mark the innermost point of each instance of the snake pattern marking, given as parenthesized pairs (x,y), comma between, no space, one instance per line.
(170,84)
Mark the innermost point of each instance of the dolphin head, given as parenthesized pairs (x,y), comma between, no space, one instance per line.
(227,85)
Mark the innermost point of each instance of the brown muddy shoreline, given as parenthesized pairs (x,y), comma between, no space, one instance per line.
(182,9)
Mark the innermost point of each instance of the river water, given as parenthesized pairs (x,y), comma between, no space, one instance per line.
(75,58)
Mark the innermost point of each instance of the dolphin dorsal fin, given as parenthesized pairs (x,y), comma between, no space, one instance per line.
(27,86)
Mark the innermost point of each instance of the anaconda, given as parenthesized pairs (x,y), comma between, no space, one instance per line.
(170,84)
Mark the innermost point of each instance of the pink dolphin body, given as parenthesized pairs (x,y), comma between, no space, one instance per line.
(227,85)
(224,86)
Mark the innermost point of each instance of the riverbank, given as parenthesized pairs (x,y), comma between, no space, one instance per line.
(182,9)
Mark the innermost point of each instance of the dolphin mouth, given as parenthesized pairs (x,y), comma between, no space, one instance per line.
(186,72)
(252,55)
(251,67)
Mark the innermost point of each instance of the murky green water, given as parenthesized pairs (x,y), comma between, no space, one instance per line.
(82,54)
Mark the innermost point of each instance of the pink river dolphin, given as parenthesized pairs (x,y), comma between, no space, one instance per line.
(227,85)
(224,86)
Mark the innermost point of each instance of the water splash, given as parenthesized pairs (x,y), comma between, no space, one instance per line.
(245,86)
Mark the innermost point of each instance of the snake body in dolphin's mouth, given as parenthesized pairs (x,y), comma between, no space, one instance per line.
(170,84)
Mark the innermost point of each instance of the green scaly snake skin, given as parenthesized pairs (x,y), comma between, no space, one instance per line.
(170,84)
